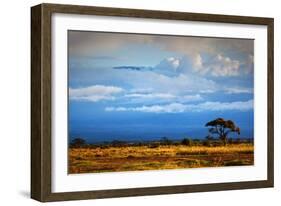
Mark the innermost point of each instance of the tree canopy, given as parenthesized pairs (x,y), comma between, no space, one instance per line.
(222,128)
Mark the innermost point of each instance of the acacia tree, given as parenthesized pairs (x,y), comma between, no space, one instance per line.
(222,128)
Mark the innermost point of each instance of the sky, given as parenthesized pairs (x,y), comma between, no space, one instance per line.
(135,87)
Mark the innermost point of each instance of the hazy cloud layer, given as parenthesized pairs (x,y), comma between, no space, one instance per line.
(85,43)
(216,66)
(179,108)
(94,93)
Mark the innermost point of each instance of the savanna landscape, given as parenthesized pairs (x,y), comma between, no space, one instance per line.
(137,158)
(164,154)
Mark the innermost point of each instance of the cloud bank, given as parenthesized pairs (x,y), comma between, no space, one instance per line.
(214,66)
(180,108)
(94,93)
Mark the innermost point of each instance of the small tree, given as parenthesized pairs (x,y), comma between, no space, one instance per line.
(78,142)
(222,128)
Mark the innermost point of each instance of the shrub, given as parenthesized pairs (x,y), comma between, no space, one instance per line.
(118,143)
(78,142)
(187,142)
(207,143)
(153,145)
(166,141)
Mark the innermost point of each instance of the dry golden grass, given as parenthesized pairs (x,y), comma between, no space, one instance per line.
(131,158)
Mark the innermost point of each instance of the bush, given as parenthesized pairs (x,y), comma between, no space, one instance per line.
(166,141)
(78,142)
(187,142)
(217,143)
(207,143)
(118,143)
(153,145)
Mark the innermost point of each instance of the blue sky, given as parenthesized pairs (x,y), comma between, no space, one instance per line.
(141,87)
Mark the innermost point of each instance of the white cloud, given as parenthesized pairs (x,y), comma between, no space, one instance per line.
(151,96)
(170,108)
(224,66)
(94,93)
(173,61)
(190,98)
(168,66)
(149,85)
(179,108)
(217,66)
(221,106)
(248,65)
(161,98)
(193,47)
(180,84)
(239,90)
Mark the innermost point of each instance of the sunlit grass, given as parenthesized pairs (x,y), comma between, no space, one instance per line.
(130,158)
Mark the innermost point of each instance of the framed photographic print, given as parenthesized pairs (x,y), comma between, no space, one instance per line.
(130,102)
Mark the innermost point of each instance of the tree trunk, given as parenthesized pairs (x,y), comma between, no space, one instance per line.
(224,140)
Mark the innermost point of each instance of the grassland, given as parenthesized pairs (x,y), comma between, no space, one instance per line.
(145,157)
